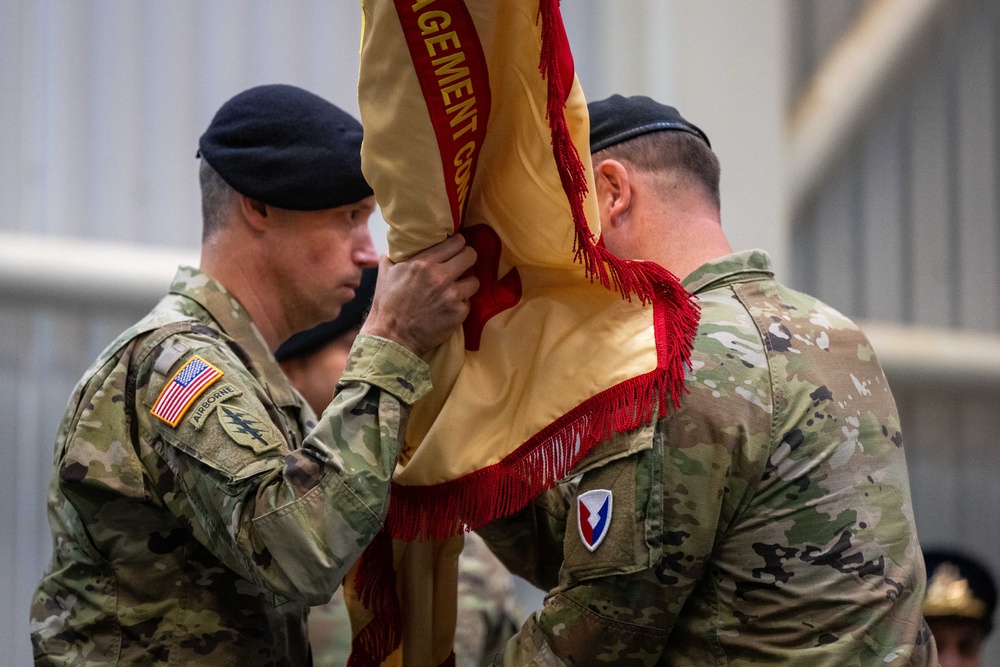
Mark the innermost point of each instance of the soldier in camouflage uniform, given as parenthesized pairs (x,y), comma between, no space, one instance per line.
(197,509)
(768,520)
(488,614)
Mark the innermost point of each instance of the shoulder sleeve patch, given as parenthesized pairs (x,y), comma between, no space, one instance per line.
(245,429)
(184,388)
(593,516)
(209,401)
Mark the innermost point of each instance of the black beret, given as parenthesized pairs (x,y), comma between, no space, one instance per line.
(287,147)
(958,586)
(352,315)
(619,119)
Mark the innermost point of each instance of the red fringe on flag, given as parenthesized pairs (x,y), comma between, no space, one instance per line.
(472,501)
(375,583)
(627,277)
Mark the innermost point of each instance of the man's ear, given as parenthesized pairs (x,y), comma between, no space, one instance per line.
(254,212)
(614,192)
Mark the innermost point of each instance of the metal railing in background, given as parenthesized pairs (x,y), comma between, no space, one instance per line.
(916,357)
(94,275)
(109,277)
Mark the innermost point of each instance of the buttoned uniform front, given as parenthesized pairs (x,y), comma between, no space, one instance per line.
(204,543)
(767,521)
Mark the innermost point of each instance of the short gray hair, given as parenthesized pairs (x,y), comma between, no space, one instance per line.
(217,198)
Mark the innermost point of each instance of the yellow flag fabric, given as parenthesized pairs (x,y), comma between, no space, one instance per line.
(475,123)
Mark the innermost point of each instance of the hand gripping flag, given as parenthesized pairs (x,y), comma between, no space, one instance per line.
(476,124)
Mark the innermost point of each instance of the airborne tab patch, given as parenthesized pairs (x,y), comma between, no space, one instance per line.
(184,388)
(593,516)
(247,430)
(209,401)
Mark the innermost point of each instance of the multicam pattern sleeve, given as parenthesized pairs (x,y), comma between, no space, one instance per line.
(768,520)
(530,542)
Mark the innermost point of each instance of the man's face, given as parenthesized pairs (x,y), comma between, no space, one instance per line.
(959,641)
(317,258)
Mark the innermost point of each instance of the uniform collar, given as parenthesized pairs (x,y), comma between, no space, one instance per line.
(235,322)
(739,267)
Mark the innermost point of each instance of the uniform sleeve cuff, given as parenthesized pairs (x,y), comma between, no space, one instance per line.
(389,366)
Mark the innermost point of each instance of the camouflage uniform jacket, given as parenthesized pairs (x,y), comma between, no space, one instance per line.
(204,543)
(767,521)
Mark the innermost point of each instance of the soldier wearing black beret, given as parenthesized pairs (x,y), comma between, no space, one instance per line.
(733,548)
(199,506)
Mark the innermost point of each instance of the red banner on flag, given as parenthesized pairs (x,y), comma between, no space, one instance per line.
(451,68)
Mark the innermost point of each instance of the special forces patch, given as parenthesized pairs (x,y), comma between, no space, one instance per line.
(247,430)
(593,516)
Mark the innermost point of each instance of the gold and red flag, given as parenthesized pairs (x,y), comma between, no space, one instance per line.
(475,123)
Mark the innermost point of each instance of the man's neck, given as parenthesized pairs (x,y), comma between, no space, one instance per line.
(683,239)
(699,243)
(245,280)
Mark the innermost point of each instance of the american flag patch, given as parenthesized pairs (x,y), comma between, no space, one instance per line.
(188,383)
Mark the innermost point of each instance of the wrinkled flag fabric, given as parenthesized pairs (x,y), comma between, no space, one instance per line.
(475,123)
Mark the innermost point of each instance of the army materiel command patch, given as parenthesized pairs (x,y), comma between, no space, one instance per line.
(209,401)
(247,430)
(593,516)
(184,388)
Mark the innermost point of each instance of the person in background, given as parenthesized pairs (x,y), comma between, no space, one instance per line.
(488,614)
(959,605)
(767,520)
(198,507)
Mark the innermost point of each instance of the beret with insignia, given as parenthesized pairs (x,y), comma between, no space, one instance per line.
(960,587)
(617,119)
(287,147)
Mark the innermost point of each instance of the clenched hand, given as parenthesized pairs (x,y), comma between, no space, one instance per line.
(419,302)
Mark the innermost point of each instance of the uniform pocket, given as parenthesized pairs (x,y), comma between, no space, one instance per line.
(606,533)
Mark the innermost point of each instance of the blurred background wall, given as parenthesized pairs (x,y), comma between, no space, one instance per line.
(859,143)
